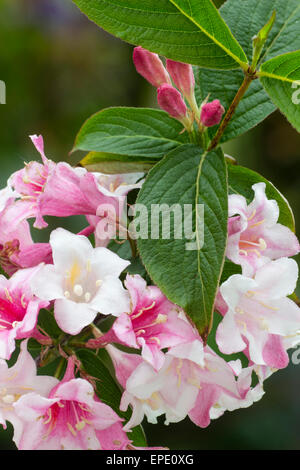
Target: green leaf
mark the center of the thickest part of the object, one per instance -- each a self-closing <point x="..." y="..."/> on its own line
<point x="186" y="271"/>
<point x="129" y="134"/>
<point x="280" y="76"/>
<point x="124" y="251"/>
<point x="245" y="18"/>
<point x="191" y="32"/>
<point x="48" y="323"/>
<point x="240" y="181"/>
<point x="111" y="164"/>
<point x="108" y="390"/>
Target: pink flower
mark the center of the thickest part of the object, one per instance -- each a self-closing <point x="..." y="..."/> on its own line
<point x="254" y="236"/>
<point x="82" y="281"/>
<point x="259" y="314"/>
<point x="211" y="113"/>
<point x="152" y="324"/>
<point x="70" y="418"/>
<point x="29" y="184"/>
<point x="192" y="382"/>
<point x="19" y="310"/>
<point x="150" y="67"/>
<point x="17" y="249"/>
<point x="17" y="381"/>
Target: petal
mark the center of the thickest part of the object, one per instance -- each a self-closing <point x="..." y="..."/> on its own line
<point x="111" y="298"/>
<point x="267" y="209"/>
<point x="106" y="263"/>
<point x="228" y="336"/>
<point x="47" y="283"/>
<point x="274" y="353"/>
<point x="235" y="286"/>
<point x="281" y="241"/>
<point x="72" y="317"/>
<point x="68" y="248"/>
<point x="206" y="398"/>
<point x="278" y="278"/>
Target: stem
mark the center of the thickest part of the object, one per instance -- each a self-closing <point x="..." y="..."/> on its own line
<point x="132" y="244"/>
<point x="249" y="76"/>
<point x="59" y="369"/>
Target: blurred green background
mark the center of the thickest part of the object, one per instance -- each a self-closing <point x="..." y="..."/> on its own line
<point x="59" y="68"/>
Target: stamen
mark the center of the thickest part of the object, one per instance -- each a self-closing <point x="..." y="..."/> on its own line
<point x="23" y="301"/>
<point x="239" y="310"/>
<point x="83" y="408"/>
<point x="250" y="294"/>
<point x="67" y="294"/>
<point x="262" y="244"/>
<point x="194" y="383"/>
<point x="142" y="311"/>
<point x="257" y="223"/>
<point x="178" y="372"/>
<point x="140" y="332"/>
<point x="268" y="306"/>
<point x="252" y="215"/>
<point x="87" y="296"/>
<point x="49" y="412"/>
<point x="159" y="320"/>
<point x="80" y="425"/>
<point x="78" y="290"/>
<point x="8" y="399"/>
<point x="99" y="282"/>
<point x="8" y="296"/>
<point x="71" y="429"/>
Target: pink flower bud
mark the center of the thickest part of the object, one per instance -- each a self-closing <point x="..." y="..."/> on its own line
<point x="211" y="113"/>
<point x="150" y="67"/>
<point x="182" y="75"/>
<point x="171" y="101"/>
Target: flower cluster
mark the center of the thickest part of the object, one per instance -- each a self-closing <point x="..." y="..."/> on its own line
<point x="258" y="315"/>
<point x="161" y="363"/>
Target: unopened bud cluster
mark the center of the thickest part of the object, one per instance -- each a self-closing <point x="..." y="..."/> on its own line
<point x="179" y="100"/>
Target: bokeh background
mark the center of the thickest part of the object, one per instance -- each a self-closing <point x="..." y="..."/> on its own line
<point x="59" y="68"/>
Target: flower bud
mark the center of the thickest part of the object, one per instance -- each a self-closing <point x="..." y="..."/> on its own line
<point x="211" y="113"/>
<point x="171" y="101"/>
<point x="150" y="67"/>
<point x="182" y="76"/>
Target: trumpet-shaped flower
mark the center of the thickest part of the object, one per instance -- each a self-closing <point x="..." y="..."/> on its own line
<point x="17" y="381"/>
<point x="192" y="380"/>
<point x="17" y="249"/>
<point x="258" y="315"/>
<point x="19" y="309"/>
<point x="71" y="417"/>
<point x="254" y="234"/>
<point x="152" y="324"/>
<point x="29" y="185"/>
<point x="82" y="281"/>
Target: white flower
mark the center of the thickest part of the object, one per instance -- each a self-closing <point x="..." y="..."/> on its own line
<point x="83" y="281"/>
